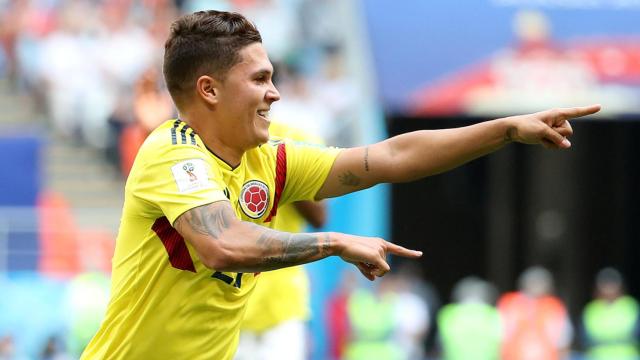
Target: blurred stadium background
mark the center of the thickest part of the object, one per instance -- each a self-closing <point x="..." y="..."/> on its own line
<point x="80" y="87"/>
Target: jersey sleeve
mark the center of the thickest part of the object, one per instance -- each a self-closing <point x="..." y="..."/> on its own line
<point x="307" y="168"/>
<point x="177" y="179"/>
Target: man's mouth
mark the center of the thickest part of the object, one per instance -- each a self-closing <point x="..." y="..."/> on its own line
<point x="264" y="114"/>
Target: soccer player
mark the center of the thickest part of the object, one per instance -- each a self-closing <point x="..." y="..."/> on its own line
<point x="274" y="323"/>
<point x="205" y="188"/>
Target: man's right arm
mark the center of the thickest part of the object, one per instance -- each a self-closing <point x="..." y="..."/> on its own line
<point x="225" y="243"/>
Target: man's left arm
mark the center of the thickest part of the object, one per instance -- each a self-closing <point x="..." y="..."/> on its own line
<point x="419" y="154"/>
<point x="314" y="212"/>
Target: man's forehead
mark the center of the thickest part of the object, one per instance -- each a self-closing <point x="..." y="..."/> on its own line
<point x="254" y="58"/>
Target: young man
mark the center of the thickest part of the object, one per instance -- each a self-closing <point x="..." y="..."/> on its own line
<point x="204" y="188"/>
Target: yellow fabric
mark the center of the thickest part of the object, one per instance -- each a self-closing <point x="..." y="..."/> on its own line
<point x="283" y="294"/>
<point x="157" y="311"/>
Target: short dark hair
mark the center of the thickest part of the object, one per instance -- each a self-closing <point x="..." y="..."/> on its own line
<point x="204" y="43"/>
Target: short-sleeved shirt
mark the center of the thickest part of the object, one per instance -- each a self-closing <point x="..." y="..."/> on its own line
<point x="165" y="304"/>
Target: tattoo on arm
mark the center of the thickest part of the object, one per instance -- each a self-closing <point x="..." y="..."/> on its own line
<point x="349" y="179"/>
<point x="291" y="249"/>
<point x="277" y="249"/>
<point x="366" y="158"/>
<point x="209" y="219"/>
<point x="326" y="245"/>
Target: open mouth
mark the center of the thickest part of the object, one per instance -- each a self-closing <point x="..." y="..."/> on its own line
<point x="264" y="114"/>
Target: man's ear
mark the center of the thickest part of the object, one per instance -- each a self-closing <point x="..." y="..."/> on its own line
<point x="207" y="89"/>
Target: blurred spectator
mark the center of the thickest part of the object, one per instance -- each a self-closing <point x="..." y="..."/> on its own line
<point x="299" y="106"/>
<point x="320" y="97"/>
<point x="7" y="348"/>
<point x="611" y="322"/>
<point x="75" y="85"/>
<point x="337" y="92"/>
<point x="412" y="310"/>
<point x="80" y="59"/>
<point x="10" y="17"/>
<point x="319" y="23"/>
<point x="536" y="323"/>
<point x="278" y="23"/>
<point x="86" y="301"/>
<point x="411" y="273"/>
<point x="31" y="310"/>
<point x="373" y="323"/>
<point x="470" y="326"/>
<point x="337" y="316"/>
<point x="36" y="20"/>
<point x="54" y="350"/>
<point x="152" y="105"/>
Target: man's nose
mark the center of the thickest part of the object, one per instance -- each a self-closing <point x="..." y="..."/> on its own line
<point x="273" y="94"/>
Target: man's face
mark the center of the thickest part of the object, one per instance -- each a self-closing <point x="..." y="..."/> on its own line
<point x="246" y="96"/>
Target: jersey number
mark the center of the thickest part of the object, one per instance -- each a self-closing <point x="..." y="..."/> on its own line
<point x="178" y="252"/>
<point x="237" y="282"/>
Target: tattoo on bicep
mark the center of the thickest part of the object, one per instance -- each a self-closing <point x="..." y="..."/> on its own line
<point x="209" y="219"/>
<point x="366" y="158"/>
<point x="349" y="179"/>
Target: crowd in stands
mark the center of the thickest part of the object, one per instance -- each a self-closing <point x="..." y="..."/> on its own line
<point x="93" y="66"/>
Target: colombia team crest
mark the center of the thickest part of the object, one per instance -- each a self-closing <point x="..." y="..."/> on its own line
<point x="254" y="198"/>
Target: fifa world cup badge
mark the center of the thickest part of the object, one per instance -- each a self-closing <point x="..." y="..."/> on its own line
<point x="191" y="175"/>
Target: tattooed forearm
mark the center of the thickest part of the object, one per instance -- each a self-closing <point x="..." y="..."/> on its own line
<point x="285" y="249"/>
<point x="209" y="219"/>
<point x="227" y="244"/>
<point x="349" y="179"/>
<point x="326" y="245"/>
<point x="366" y="158"/>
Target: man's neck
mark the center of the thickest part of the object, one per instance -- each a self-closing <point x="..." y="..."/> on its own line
<point x="215" y="142"/>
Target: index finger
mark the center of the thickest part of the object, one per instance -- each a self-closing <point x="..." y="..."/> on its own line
<point x="401" y="251"/>
<point x="575" y="112"/>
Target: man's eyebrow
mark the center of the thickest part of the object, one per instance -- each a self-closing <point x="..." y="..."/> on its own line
<point x="262" y="72"/>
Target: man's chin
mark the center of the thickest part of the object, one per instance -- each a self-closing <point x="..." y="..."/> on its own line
<point x="262" y="139"/>
<point x="264" y="136"/>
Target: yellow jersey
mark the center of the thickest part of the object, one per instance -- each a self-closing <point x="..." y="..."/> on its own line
<point x="165" y="304"/>
<point x="282" y="294"/>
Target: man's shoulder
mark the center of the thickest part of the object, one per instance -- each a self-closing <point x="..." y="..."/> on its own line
<point x="173" y="132"/>
<point x="172" y="135"/>
<point x="165" y="147"/>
